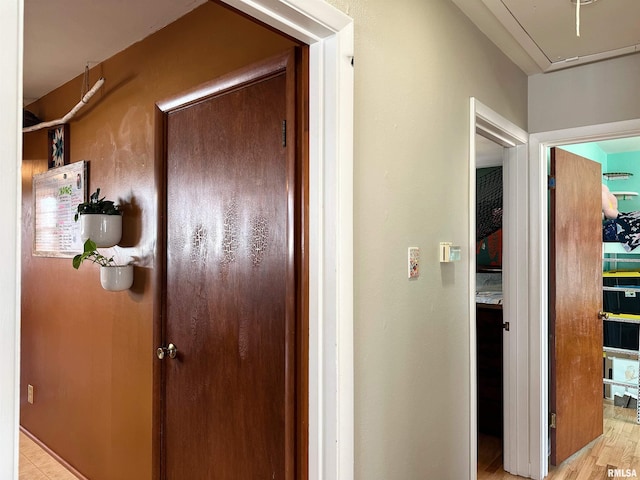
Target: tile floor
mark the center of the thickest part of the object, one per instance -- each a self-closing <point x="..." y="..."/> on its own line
<point x="37" y="464"/>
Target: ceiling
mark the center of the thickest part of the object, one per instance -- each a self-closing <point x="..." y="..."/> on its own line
<point x="620" y="145"/>
<point x="62" y="36"/>
<point x="540" y="35"/>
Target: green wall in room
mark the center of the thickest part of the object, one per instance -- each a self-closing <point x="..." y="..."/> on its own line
<point x="614" y="162"/>
<point x="625" y="162"/>
<point x="588" y="150"/>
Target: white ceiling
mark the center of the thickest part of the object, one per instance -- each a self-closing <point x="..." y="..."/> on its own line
<point x="61" y="36"/>
<point x="488" y="153"/>
<point x="540" y="35"/>
<point x="620" y="145"/>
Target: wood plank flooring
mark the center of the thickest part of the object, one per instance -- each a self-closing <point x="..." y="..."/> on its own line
<point x="617" y="448"/>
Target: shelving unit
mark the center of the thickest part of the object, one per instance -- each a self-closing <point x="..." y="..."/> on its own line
<point x="623" y="351"/>
<point x="624" y="195"/>
<point x="617" y="175"/>
<point x="620" y="195"/>
<point x="614" y="254"/>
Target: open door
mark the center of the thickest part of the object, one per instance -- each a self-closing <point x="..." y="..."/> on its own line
<point x="575" y="299"/>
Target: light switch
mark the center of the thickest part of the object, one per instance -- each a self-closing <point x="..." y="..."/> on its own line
<point x="449" y="252"/>
<point x="414" y="262"/>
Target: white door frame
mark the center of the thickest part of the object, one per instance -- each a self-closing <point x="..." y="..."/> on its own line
<point x="11" y="15"/>
<point x="329" y="33"/>
<point x="538" y="292"/>
<point x="490" y="124"/>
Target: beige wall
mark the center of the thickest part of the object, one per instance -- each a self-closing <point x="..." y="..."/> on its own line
<point x="591" y="94"/>
<point x="416" y="65"/>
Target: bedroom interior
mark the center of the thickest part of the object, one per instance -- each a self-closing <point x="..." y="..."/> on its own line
<point x="621" y="265"/>
<point x="620" y="160"/>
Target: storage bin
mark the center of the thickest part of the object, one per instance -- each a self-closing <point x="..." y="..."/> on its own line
<point x="625" y="300"/>
<point x="620" y="335"/>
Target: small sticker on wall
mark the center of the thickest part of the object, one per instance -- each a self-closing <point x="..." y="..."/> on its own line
<point x="414" y="262"/>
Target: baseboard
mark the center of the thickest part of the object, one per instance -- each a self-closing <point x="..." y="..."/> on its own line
<point x="53" y="454"/>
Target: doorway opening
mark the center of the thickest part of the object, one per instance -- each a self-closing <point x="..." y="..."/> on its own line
<point x="538" y="288"/>
<point x="602" y="273"/>
<point x="511" y="141"/>
<point x="489" y="303"/>
<point x="620" y="168"/>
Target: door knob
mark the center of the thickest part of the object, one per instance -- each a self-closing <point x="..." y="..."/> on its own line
<point x="603" y="315"/>
<point x="171" y="351"/>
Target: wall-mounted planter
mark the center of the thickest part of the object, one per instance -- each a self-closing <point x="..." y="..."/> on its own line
<point x="105" y="230"/>
<point x="116" y="278"/>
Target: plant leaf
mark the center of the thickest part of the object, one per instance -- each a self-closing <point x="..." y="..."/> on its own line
<point x="89" y="246"/>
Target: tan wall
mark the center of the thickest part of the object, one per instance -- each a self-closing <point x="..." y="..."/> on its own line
<point x="417" y="62"/>
<point x="89" y="353"/>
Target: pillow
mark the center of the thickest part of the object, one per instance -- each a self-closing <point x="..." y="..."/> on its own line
<point x="609" y="203"/>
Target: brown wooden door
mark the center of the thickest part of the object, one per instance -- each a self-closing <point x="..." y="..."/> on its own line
<point x="229" y="395"/>
<point x="575" y="298"/>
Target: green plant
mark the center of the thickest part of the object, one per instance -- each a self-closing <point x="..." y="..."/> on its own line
<point x="97" y="205"/>
<point x="91" y="253"/>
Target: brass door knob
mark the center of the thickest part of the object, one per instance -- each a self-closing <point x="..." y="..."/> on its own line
<point x="603" y="315"/>
<point x="170" y="351"/>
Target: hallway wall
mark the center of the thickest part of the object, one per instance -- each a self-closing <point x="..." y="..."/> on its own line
<point x="416" y="65"/>
<point x="591" y="94"/>
<point x="89" y="352"/>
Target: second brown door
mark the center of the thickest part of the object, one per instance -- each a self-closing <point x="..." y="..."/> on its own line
<point x="575" y="299"/>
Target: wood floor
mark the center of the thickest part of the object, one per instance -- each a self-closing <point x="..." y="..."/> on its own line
<point x="617" y="448"/>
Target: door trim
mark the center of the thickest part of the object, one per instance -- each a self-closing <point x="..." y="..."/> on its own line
<point x="514" y="279"/>
<point x="329" y="33"/>
<point x="539" y="285"/>
<point x="11" y="193"/>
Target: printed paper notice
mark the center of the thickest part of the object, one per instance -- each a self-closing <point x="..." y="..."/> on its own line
<point x="56" y="195"/>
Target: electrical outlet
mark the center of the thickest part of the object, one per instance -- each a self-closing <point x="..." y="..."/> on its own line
<point x="414" y="262"/>
<point x="30" y="394"/>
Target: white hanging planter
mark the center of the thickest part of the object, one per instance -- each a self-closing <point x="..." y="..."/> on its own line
<point x="105" y="230"/>
<point x="116" y="278"/>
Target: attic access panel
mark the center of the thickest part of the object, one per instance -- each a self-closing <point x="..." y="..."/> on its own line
<point x="605" y="26"/>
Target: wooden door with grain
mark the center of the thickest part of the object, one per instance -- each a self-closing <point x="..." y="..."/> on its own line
<point x="575" y="299"/>
<point x="229" y="395"/>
